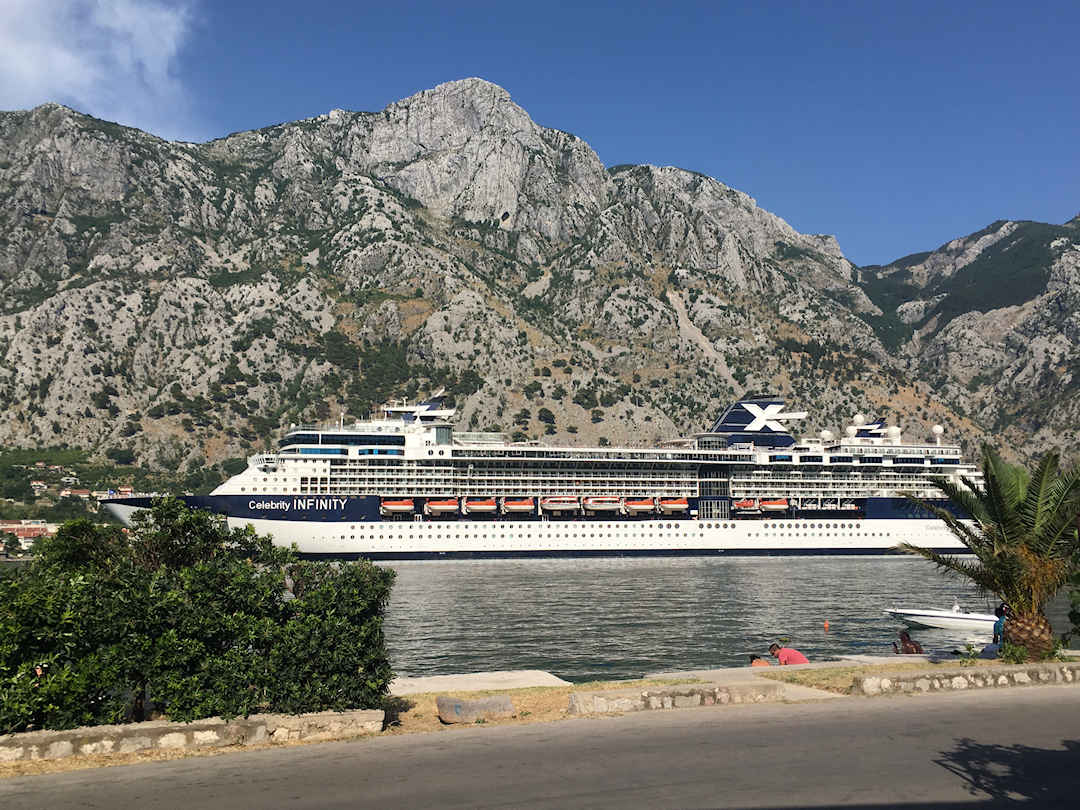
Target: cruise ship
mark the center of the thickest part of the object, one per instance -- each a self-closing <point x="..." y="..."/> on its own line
<point x="407" y="485"/>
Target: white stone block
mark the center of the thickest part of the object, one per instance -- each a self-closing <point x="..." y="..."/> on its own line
<point x="204" y="737"/>
<point x="173" y="739"/>
<point x="959" y="682"/>
<point x="126" y="746"/>
<point x="58" y="749"/>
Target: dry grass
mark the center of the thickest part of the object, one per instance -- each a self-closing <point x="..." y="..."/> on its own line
<point x="411" y="714"/>
<point x="840" y="679"/>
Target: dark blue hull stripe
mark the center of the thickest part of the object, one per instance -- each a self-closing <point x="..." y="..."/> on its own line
<point x="365" y="508"/>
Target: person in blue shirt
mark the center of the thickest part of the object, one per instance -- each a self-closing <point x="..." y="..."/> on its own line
<point x="1001" y="611"/>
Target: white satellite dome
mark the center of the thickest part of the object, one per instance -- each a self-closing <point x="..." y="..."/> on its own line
<point x="851" y="430"/>
<point x="826" y="435"/>
<point x="937" y="430"/>
<point x="893" y="432"/>
<point x="859" y="420"/>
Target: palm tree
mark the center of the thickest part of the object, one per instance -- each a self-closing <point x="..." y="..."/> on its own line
<point x="1021" y="526"/>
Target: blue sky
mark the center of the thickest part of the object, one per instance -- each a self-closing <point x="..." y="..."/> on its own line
<point x="894" y="126"/>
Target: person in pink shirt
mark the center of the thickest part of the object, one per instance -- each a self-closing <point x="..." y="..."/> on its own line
<point x="787" y="655"/>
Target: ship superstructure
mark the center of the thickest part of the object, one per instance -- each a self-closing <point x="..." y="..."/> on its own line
<point x="406" y="484"/>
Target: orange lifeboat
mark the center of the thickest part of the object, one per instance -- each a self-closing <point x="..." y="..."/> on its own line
<point x="559" y="503"/>
<point x="670" y="506"/>
<point x="441" y="506"/>
<point x="746" y="505"/>
<point x="774" y="504"/>
<point x="479" y="506"/>
<point x="390" y="506"/>
<point x="640" y="506"/>
<point x="518" y="506"/>
<point x="602" y="503"/>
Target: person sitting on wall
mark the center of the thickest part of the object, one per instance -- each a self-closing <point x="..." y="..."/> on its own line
<point x="787" y="656"/>
<point x="908" y="645"/>
<point x="758" y="661"/>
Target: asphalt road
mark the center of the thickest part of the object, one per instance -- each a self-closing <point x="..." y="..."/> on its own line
<point x="964" y="749"/>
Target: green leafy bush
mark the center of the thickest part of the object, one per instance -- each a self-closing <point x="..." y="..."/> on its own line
<point x="188" y="618"/>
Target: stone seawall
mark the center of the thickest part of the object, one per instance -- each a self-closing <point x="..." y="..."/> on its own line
<point x="210" y="733"/>
<point x="682" y="697"/>
<point x="956" y="678"/>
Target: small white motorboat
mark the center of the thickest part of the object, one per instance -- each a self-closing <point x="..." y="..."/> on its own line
<point x="955" y="619"/>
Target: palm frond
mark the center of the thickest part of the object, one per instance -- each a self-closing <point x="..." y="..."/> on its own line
<point x="1038" y="505"/>
<point x="983" y="576"/>
<point x="1013" y="479"/>
<point x="1058" y="533"/>
<point x="970" y="537"/>
<point x="1001" y="499"/>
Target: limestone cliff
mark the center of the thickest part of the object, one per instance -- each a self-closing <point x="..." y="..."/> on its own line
<point x="188" y="300"/>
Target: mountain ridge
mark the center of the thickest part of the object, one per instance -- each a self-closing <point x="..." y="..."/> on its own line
<point x="193" y="298"/>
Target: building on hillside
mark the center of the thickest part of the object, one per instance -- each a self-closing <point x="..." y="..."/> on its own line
<point x="28" y="530"/>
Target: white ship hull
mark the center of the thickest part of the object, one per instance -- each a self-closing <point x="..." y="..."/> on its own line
<point x="392" y="539"/>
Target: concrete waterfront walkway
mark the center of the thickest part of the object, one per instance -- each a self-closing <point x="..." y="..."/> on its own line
<point x="724" y="676"/>
<point x="475" y="682"/>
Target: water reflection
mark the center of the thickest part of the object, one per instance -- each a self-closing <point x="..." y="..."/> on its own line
<point x="621" y="618"/>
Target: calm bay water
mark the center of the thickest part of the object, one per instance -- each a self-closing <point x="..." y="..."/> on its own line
<point x="588" y="619"/>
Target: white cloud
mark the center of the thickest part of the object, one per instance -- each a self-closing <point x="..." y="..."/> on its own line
<point x="113" y="59"/>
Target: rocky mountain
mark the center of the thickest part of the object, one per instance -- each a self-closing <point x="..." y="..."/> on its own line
<point x="182" y="302"/>
<point x="992" y="322"/>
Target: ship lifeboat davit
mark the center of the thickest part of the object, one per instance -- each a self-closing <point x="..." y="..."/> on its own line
<point x="671" y="506"/>
<point x="774" y="504"/>
<point x="479" y="506"/>
<point x="518" y="506"/>
<point x="559" y="503"/>
<point x="640" y="506"/>
<point x="602" y="503"/>
<point x="401" y="506"/>
<point x="441" y="506"/>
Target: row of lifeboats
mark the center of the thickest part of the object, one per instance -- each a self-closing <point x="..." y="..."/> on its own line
<point x="758" y="505"/>
<point x="552" y="504"/>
